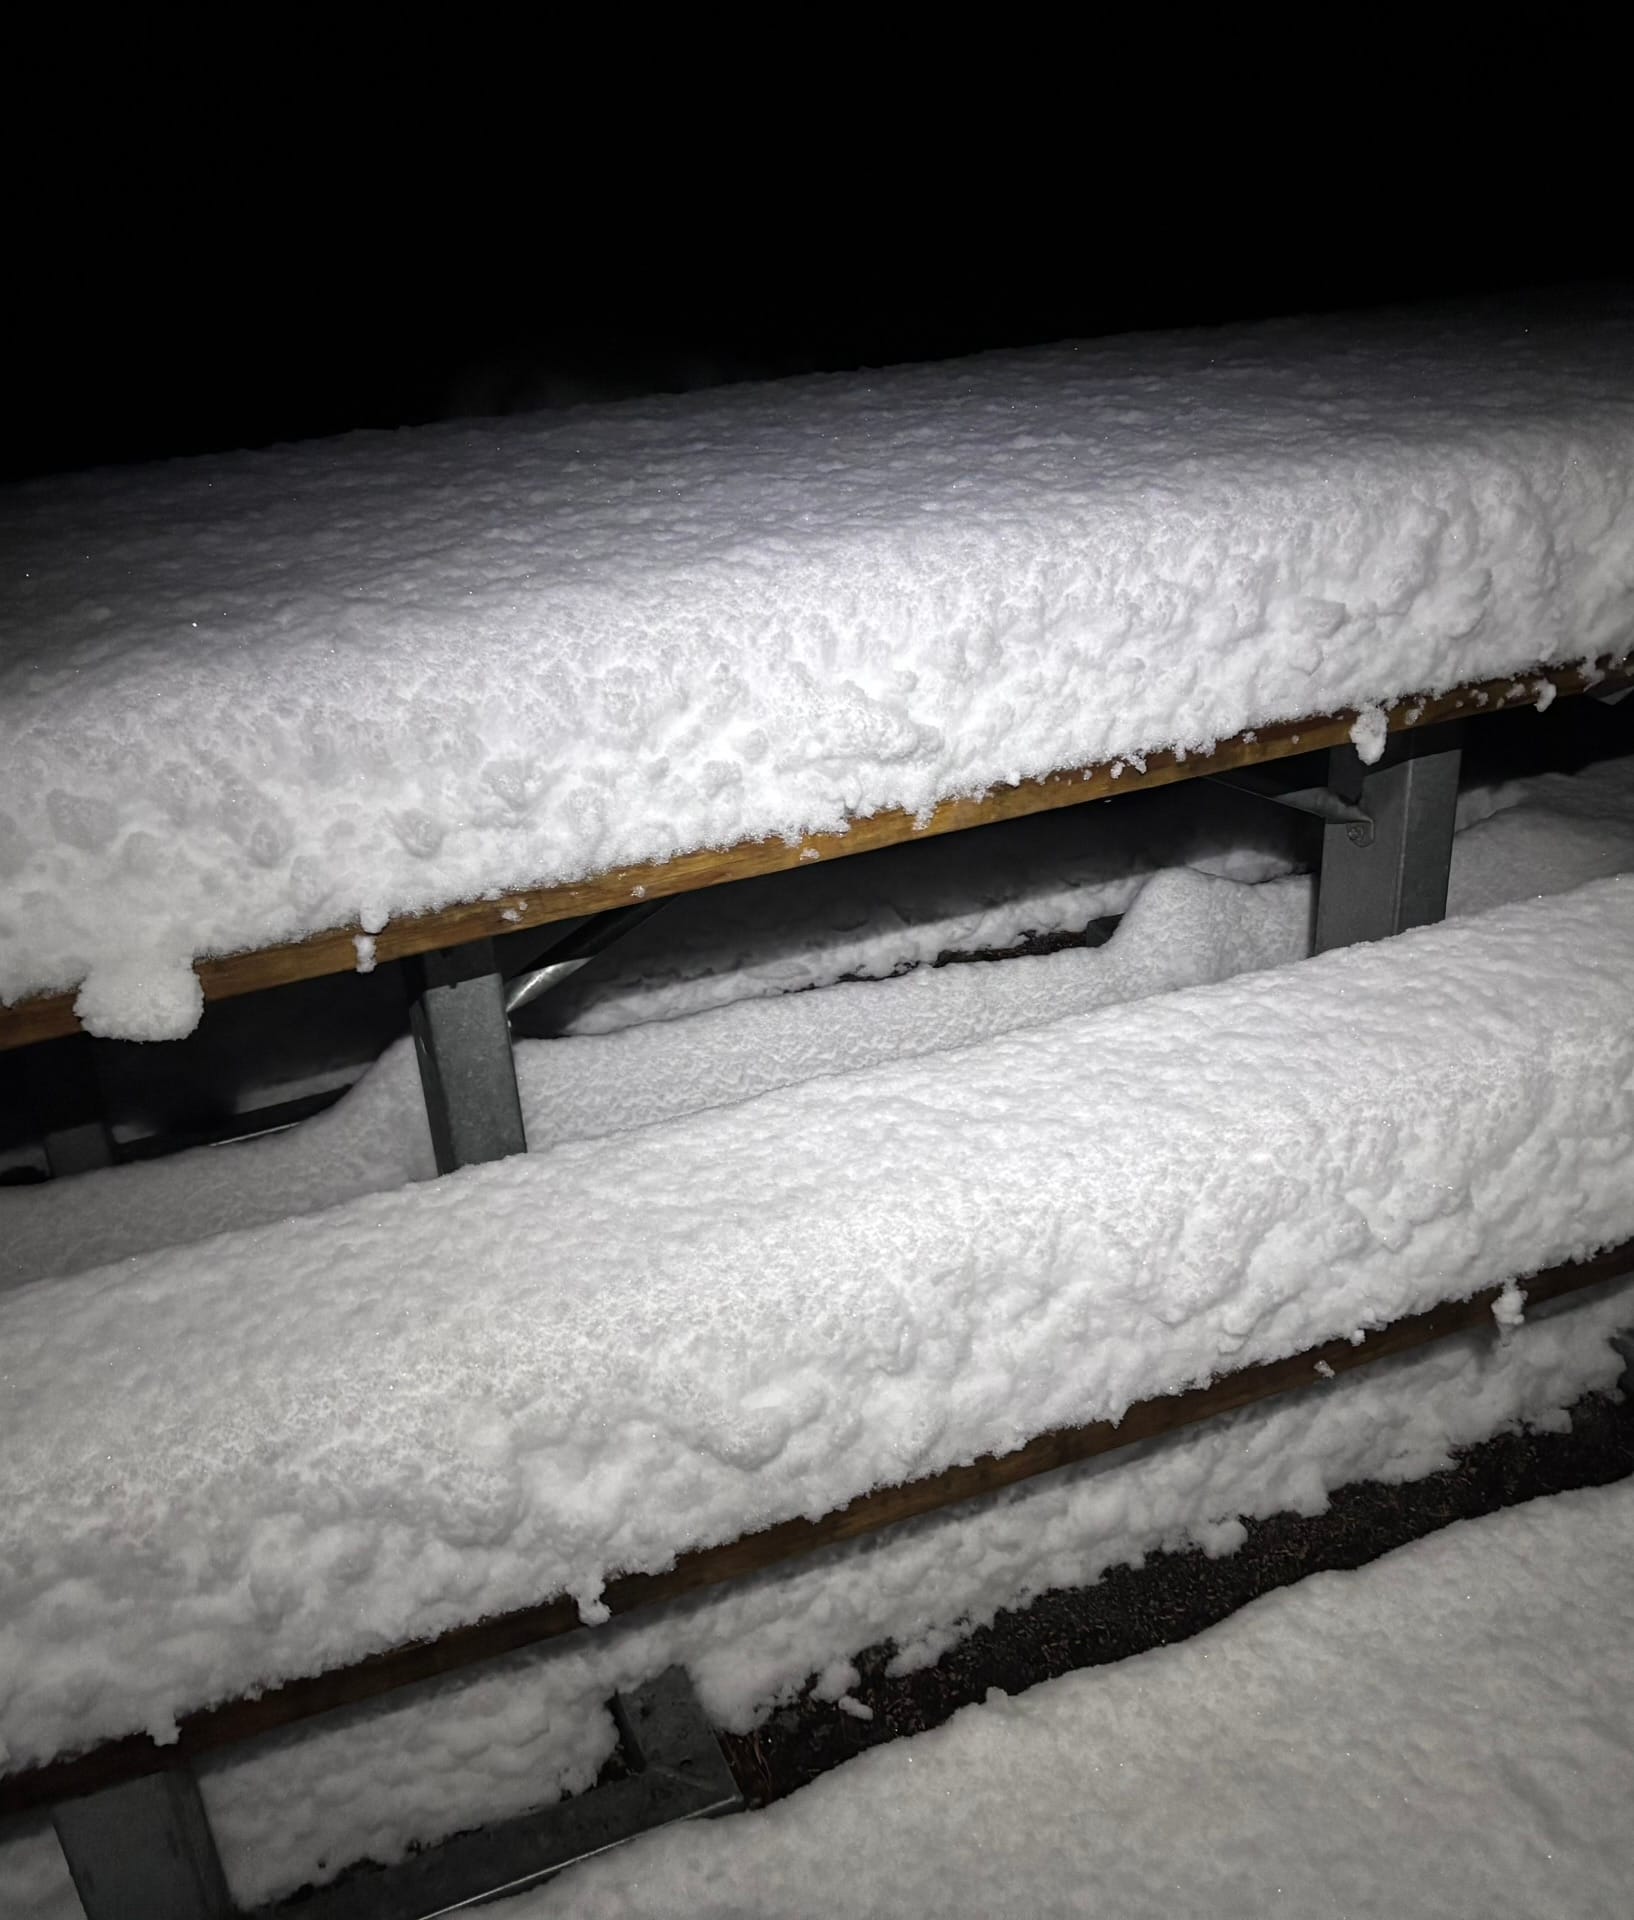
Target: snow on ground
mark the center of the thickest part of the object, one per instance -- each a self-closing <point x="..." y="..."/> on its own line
<point x="343" y="1431"/>
<point x="245" y="697"/>
<point x="497" y="1742"/>
<point x="1447" y="1732"/>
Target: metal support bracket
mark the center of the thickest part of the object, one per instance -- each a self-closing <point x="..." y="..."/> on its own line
<point x="677" y="1772"/>
<point x="143" y="1851"/>
<point x="576" y="949"/>
<point x="1321" y="803"/>
<point x="463" y="1040"/>
<point x="1393" y="875"/>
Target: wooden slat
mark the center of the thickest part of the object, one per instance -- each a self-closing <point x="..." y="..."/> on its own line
<point x="49" y="1016"/>
<point x="383" y="1673"/>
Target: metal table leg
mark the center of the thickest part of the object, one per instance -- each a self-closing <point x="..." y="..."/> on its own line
<point x="1380" y="880"/>
<point x="463" y="1040"/>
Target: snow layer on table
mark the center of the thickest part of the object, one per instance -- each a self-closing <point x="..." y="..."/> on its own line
<point x="1181" y="930"/>
<point x="484" y="1746"/>
<point x="344" y="1431"/>
<point x="1447" y="1732"/>
<point x="245" y="697"/>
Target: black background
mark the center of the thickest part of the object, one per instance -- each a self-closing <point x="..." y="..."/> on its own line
<point x="214" y="299"/>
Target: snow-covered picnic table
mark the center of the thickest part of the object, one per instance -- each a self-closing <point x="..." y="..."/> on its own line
<point x="247" y="698"/>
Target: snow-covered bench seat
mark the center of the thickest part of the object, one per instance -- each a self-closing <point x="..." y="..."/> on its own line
<point x="274" y="705"/>
<point x="282" y="1451"/>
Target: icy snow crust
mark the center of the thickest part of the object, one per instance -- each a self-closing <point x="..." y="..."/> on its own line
<point x="1442" y="1734"/>
<point x="340" y="1432"/>
<point x="244" y="698"/>
<point x="1182" y="927"/>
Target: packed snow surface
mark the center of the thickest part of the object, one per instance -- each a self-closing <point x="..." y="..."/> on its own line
<point x="1181" y="927"/>
<point x="1447" y="1732"/>
<point x="246" y="697"/>
<point x="494" y="1742"/>
<point x="339" y="1432"/>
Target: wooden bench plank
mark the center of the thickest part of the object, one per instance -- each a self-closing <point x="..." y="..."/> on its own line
<point x="226" y="1725"/>
<point x="49" y="1016"/>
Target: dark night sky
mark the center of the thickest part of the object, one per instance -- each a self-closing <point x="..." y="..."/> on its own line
<point x="166" y="323"/>
<point x="207" y="245"/>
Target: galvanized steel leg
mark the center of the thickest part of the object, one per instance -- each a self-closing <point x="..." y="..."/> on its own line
<point x="463" y="1040"/>
<point x="143" y="1851"/>
<point x="1382" y="880"/>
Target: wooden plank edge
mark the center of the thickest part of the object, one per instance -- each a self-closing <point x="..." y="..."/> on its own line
<point x="224" y="977"/>
<point x="214" y="1728"/>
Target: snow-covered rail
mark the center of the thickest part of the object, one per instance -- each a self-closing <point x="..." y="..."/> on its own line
<point x="224" y="977"/>
<point x="264" y="1711"/>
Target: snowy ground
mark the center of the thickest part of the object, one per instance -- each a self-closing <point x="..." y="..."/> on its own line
<point x="247" y="697"/>
<point x="1448" y="1732"/>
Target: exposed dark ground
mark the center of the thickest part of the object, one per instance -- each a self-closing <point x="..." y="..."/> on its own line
<point x="1176" y="1595"/>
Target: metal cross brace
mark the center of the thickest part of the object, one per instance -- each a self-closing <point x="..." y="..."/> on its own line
<point x="1322" y="803"/>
